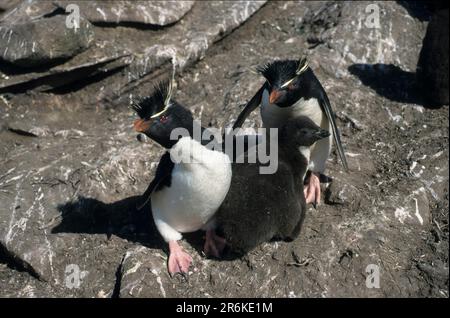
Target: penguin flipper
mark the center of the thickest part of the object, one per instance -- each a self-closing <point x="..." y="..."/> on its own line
<point x="162" y="177"/>
<point x="250" y="106"/>
<point x="325" y="104"/>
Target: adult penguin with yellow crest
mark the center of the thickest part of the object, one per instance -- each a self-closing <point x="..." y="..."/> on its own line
<point x="191" y="180"/>
<point x="292" y="90"/>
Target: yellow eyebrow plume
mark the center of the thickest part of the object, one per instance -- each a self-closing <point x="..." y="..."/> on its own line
<point x="287" y="83"/>
<point x="302" y="66"/>
<point x="161" y="112"/>
<point x="166" y="101"/>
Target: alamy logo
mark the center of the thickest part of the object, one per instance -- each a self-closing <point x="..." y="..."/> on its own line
<point x="73" y="18"/>
<point x="373" y="277"/>
<point x="74" y="276"/>
<point x="261" y="147"/>
<point x="373" y="18"/>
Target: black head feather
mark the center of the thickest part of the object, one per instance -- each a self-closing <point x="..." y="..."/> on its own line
<point x="281" y="71"/>
<point x="301" y="131"/>
<point x="147" y="106"/>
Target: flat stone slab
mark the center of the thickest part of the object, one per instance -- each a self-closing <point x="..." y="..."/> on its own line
<point x="42" y="41"/>
<point x="148" y="51"/>
<point x="363" y="33"/>
<point x="158" y="13"/>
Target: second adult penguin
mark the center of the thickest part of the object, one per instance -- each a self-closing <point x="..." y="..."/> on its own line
<point x="291" y="90"/>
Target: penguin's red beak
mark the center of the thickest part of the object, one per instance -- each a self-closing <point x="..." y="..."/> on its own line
<point x="274" y="96"/>
<point x="141" y="125"/>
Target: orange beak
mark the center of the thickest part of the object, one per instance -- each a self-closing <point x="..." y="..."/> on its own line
<point x="273" y="97"/>
<point x="140" y="125"/>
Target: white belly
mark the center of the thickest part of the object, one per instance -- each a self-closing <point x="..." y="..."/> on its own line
<point x="275" y="117"/>
<point x="197" y="189"/>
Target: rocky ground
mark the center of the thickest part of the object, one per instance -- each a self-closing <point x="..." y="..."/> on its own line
<point x="72" y="167"/>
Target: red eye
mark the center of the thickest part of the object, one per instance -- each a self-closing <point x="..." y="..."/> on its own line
<point x="163" y="119"/>
<point x="291" y="86"/>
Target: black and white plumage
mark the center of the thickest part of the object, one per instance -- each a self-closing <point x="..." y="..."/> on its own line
<point x="262" y="207"/>
<point x="291" y="90"/>
<point x="191" y="180"/>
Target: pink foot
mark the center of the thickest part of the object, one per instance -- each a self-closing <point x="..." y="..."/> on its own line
<point x="312" y="190"/>
<point x="214" y="244"/>
<point x="179" y="260"/>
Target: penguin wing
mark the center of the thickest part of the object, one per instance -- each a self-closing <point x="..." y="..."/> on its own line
<point x="250" y="106"/>
<point x="326" y="107"/>
<point x="163" y="177"/>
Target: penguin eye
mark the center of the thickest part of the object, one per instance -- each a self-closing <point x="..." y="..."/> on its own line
<point x="163" y="119"/>
<point x="288" y="84"/>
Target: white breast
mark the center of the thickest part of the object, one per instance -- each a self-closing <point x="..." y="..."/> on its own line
<point x="274" y="116"/>
<point x="197" y="189"/>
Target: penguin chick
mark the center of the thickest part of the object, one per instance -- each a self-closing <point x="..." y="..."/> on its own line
<point x="191" y="181"/>
<point x="262" y="207"/>
<point x="291" y="90"/>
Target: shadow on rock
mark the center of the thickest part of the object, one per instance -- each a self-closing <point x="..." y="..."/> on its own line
<point x="389" y="81"/>
<point x="11" y="69"/>
<point x="418" y="9"/>
<point x="120" y="218"/>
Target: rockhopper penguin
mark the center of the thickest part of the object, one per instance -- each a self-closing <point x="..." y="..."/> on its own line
<point x="291" y="90"/>
<point x="190" y="182"/>
<point x="262" y="207"/>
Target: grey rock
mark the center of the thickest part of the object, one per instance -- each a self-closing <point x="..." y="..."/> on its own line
<point x="20" y="284"/>
<point x="68" y="73"/>
<point x="48" y="209"/>
<point x="437" y="272"/>
<point x="158" y="13"/>
<point x="26" y="11"/>
<point x="175" y="50"/>
<point x="143" y="273"/>
<point x="6" y="5"/>
<point x="102" y="58"/>
<point x="147" y="55"/>
<point x="354" y="37"/>
<point x="339" y="192"/>
<point x="42" y="41"/>
<point x="412" y="209"/>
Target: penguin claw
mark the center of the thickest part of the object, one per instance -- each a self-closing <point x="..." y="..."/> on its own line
<point x="184" y="276"/>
